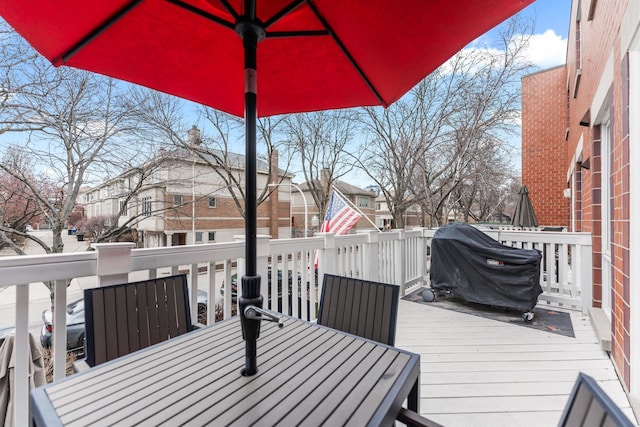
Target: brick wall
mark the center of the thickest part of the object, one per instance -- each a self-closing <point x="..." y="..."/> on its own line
<point x="224" y="216"/>
<point x="599" y="44"/>
<point x="544" y="120"/>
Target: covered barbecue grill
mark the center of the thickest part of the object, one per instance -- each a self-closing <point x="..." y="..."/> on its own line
<point x="476" y="268"/>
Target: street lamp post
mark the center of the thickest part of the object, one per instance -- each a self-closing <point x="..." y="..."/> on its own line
<point x="304" y="200"/>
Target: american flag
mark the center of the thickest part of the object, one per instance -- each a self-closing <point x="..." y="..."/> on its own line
<point x="340" y="217"/>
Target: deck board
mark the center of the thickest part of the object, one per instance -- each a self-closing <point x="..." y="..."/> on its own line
<point x="478" y="371"/>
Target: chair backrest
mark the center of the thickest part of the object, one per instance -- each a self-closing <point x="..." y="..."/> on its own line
<point x="589" y="406"/>
<point x="360" y="307"/>
<point x="121" y="319"/>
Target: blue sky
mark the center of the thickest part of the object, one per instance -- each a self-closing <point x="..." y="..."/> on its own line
<point x="551" y="14"/>
<point x="549" y="44"/>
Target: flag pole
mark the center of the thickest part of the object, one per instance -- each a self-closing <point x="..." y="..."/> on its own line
<point x="346" y="199"/>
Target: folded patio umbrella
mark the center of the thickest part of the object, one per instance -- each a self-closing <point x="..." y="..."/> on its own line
<point x="524" y="215"/>
<point x="312" y="55"/>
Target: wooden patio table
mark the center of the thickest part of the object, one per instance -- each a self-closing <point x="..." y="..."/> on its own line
<point x="307" y="374"/>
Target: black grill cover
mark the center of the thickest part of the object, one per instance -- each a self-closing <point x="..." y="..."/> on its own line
<point x="476" y="268"/>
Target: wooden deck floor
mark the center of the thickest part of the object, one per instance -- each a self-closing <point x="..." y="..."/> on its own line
<point x="482" y="372"/>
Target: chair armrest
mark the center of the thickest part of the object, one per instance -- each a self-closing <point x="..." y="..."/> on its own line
<point x="80" y="365"/>
<point x="413" y="419"/>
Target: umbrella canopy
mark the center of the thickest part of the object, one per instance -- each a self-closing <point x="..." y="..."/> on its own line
<point x="315" y="55"/>
<point x="312" y="55"/>
<point x="524" y="215"/>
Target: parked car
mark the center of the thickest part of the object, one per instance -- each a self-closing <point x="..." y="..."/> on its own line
<point x="234" y="292"/>
<point x="234" y="284"/>
<point x="75" y="324"/>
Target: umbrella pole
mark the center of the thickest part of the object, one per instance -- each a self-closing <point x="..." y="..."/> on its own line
<point x="251" y="281"/>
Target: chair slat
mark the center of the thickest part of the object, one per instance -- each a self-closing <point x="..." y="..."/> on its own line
<point x="110" y="324"/>
<point x="143" y="318"/>
<point x="133" y="322"/>
<point x="122" y="321"/>
<point x="152" y="313"/>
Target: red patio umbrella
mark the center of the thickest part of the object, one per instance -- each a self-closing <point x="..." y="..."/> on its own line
<point x="313" y="55"/>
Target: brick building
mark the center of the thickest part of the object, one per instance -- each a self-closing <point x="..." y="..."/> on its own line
<point x="598" y="92"/>
<point x="545" y="115"/>
<point x="178" y="199"/>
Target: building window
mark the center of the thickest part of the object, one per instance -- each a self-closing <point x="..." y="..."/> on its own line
<point x="363" y="202"/>
<point x="124" y="208"/>
<point x="212" y="202"/>
<point x="198" y="236"/>
<point x="177" y="200"/>
<point x="212" y="236"/>
<point x="146" y="206"/>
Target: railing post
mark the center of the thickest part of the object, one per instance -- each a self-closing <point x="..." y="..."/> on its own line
<point x="327" y="255"/>
<point x="114" y="262"/>
<point x="399" y="254"/>
<point x="421" y="254"/>
<point x="241" y="266"/>
<point x="585" y="280"/>
<point x="370" y="255"/>
<point x="262" y="250"/>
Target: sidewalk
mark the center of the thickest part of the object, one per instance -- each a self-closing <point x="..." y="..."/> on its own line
<point x="39" y="298"/>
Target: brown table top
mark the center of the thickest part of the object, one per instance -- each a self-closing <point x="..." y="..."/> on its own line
<point x="307" y="374"/>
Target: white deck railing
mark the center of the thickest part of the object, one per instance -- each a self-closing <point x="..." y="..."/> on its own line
<point x="400" y="257"/>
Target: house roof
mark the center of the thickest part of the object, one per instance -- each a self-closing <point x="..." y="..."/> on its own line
<point x="343" y="187"/>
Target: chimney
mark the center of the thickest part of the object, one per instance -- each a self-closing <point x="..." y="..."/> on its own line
<point x="324" y="178"/>
<point x="194" y="136"/>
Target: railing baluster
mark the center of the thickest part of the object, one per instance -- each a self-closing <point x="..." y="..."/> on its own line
<point x="60" y="330"/>
<point x="22" y="356"/>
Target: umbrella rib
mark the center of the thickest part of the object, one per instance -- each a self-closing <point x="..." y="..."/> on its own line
<point x="230" y="9"/>
<point x="283" y="12"/>
<point x="203" y="14"/>
<point x="346" y="52"/>
<point x="284" y="34"/>
<point x="97" y="31"/>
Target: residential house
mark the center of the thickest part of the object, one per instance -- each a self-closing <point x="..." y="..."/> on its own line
<point x="359" y="199"/>
<point x="579" y="142"/>
<point x="384" y="219"/>
<point x="177" y="198"/>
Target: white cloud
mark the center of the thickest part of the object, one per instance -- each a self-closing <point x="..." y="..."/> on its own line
<point x="547" y="50"/>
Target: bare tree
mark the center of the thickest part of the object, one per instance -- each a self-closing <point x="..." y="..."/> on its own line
<point x="18" y="207"/>
<point x="319" y="140"/>
<point x="425" y="147"/>
<point x="70" y="124"/>
<point x="215" y="144"/>
<point x="400" y="136"/>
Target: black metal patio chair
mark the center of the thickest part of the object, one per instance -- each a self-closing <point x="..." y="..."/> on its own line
<point x="123" y="318"/>
<point x="589" y="406"/>
<point x="367" y="309"/>
<point x="360" y="307"/>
